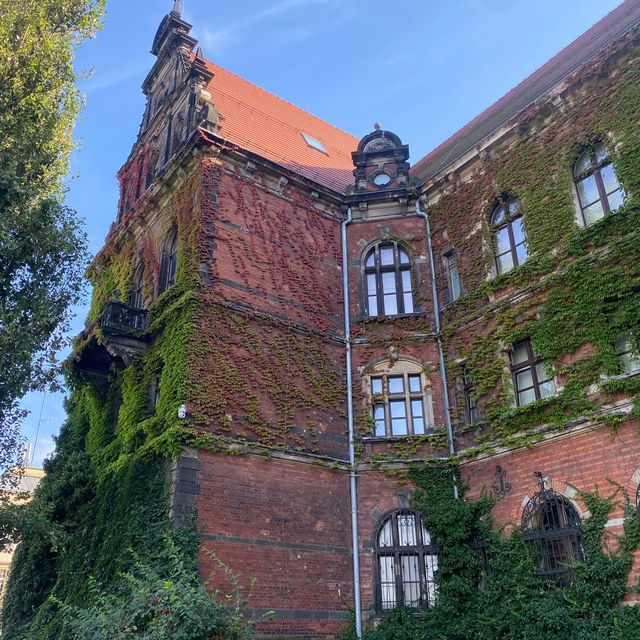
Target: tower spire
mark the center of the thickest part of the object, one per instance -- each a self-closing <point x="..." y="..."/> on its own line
<point x="176" y="7"/>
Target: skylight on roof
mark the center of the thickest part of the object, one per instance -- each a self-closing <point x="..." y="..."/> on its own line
<point x="314" y="143"/>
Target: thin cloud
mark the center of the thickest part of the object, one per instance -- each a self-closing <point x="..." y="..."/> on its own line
<point x="111" y="78"/>
<point x="217" y="42"/>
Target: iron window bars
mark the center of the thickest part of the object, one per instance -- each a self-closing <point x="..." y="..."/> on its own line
<point x="552" y="530"/>
<point x="405" y="563"/>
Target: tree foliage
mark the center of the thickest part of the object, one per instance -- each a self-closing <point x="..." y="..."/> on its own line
<point x="42" y="245"/>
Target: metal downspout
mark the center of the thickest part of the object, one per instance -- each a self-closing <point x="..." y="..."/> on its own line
<point x="436" y="313"/>
<point x="352" y="454"/>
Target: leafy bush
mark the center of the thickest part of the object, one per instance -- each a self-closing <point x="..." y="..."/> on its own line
<point x="160" y="600"/>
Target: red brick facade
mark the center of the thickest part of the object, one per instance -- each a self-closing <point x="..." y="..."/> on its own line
<point x="267" y="374"/>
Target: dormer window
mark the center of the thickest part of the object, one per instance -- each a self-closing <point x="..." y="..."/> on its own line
<point x="314" y="143"/>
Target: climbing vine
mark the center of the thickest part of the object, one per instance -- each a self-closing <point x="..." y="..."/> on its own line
<point x="506" y="600"/>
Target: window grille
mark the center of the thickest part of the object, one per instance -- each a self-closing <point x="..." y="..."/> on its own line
<point x="406" y="563"/>
<point x="552" y="530"/>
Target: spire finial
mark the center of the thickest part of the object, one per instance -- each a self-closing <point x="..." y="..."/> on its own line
<point x="199" y="54"/>
<point x="377" y="126"/>
<point x="176" y="7"/>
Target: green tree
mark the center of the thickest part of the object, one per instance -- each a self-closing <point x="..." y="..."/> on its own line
<point x="43" y="248"/>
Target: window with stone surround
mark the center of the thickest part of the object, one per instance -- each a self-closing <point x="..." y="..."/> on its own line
<point x="552" y="530"/>
<point x="169" y="261"/>
<point x="509" y="240"/>
<point x="387" y="280"/>
<point x="452" y="273"/>
<point x="405" y="563"/>
<point x="135" y="297"/>
<point x="532" y="379"/>
<point x="400" y="400"/>
<point x="597" y="186"/>
<point x="471" y="413"/>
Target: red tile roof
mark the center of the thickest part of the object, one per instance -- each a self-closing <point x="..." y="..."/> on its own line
<point x="262" y="123"/>
<point x="614" y="25"/>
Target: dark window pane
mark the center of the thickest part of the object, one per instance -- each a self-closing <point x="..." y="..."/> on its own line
<point x="520" y="352"/>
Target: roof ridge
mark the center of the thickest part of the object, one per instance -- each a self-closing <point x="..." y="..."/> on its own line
<point x="290" y="104"/>
<point x="536" y="73"/>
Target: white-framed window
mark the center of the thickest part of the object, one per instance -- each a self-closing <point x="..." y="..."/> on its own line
<point x="400" y="400"/>
<point x="387" y="280"/>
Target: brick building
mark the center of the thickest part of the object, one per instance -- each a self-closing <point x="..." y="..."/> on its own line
<point x="307" y="311"/>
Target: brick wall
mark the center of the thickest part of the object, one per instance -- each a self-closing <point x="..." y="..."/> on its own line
<point x="286" y="525"/>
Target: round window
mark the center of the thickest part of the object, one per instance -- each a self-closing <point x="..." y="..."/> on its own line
<point x="381" y="179"/>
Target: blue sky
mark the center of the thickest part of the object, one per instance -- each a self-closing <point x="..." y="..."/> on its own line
<point x="421" y="68"/>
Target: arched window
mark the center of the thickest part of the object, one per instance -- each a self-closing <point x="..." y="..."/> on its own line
<point x="169" y="262"/>
<point x="552" y="530"/>
<point x="400" y="400"/>
<point x="406" y="563"/>
<point x="599" y="191"/>
<point x="508" y="235"/>
<point x="135" y="297"/>
<point x="388" y="280"/>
